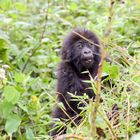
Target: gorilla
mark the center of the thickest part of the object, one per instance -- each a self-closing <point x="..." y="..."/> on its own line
<point x="80" y="52"/>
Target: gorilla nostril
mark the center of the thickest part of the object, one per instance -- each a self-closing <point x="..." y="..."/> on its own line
<point x="87" y="52"/>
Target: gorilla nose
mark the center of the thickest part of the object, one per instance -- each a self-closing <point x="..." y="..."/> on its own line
<point x="87" y="52"/>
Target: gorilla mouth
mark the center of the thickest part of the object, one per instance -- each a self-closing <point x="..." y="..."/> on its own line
<point x="88" y="61"/>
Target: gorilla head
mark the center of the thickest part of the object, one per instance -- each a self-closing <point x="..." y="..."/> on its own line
<point x="81" y="49"/>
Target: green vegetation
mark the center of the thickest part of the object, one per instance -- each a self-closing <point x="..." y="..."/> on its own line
<point x="31" y="33"/>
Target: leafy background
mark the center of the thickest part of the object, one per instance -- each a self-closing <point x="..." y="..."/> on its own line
<point x="31" y="33"/>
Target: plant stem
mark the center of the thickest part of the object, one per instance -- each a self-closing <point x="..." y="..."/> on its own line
<point x="99" y="74"/>
<point x="128" y="115"/>
<point x="65" y="136"/>
<point x="39" y="44"/>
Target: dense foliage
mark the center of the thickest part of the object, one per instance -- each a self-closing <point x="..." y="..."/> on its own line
<point x="31" y="33"/>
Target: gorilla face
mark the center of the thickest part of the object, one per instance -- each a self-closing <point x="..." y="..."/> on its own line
<point x="79" y="52"/>
<point x="83" y="54"/>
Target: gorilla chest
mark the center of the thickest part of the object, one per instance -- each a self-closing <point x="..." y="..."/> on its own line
<point x="82" y="85"/>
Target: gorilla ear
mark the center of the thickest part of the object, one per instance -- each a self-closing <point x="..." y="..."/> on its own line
<point x="65" y="54"/>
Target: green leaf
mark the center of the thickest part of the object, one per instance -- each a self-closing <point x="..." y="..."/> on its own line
<point x="12" y="124"/>
<point x="73" y="6"/>
<point x="114" y="71"/>
<point x="4" y="41"/>
<point x="20" y="77"/>
<point x="29" y="134"/>
<point x="136" y="78"/>
<point x="23" y="107"/>
<point x="6" y="108"/>
<point x="6" y="4"/>
<point x="111" y="70"/>
<point x="20" y="6"/>
<point x="106" y="67"/>
<point x="11" y="94"/>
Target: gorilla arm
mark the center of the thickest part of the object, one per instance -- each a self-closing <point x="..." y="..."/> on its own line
<point x="68" y="81"/>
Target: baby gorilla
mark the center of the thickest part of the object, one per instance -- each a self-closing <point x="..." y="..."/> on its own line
<point x="80" y="52"/>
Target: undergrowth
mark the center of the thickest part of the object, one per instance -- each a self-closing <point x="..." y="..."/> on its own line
<point x="31" y="33"/>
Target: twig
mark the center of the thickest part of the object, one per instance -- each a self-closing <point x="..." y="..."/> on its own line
<point x="98" y="89"/>
<point x="110" y="18"/>
<point x="128" y="116"/>
<point x="87" y="39"/>
<point x="109" y="125"/>
<point x="99" y="74"/>
<point x="62" y="137"/>
<point x="71" y="119"/>
<point x="39" y="44"/>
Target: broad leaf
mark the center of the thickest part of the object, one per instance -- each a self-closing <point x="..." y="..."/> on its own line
<point x="29" y="134"/>
<point x="11" y="94"/>
<point x="6" y="108"/>
<point x="12" y="124"/>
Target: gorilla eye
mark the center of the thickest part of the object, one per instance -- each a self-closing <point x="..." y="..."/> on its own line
<point x="91" y="45"/>
<point x="80" y="46"/>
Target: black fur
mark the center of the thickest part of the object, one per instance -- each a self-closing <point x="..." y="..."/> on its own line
<point x="77" y="54"/>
